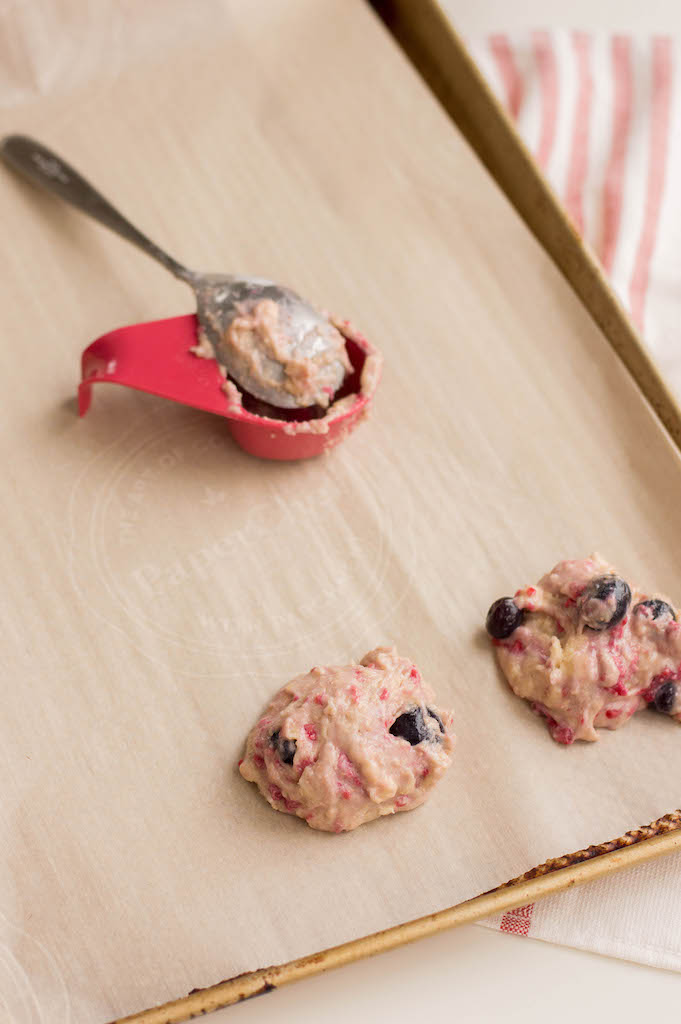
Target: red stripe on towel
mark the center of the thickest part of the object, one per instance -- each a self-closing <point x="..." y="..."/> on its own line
<point x="508" y="72"/>
<point x="657" y="164"/>
<point x="613" y="184"/>
<point x="579" y="157"/>
<point x="548" y="79"/>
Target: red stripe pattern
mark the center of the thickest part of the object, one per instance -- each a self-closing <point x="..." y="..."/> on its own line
<point x="657" y="165"/>
<point x="548" y="79"/>
<point x="623" y="83"/>
<point x="596" y="111"/>
<point x="518" y="921"/>
<point x="579" y="159"/>
<point x="514" y="88"/>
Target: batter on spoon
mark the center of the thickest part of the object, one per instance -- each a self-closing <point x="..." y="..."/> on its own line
<point x="587" y="649"/>
<point x="345" y="744"/>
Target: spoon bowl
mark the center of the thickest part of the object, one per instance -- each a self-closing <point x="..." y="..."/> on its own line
<point x="223" y="300"/>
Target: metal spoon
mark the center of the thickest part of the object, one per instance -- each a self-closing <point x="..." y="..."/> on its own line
<point x="309" y="342"/>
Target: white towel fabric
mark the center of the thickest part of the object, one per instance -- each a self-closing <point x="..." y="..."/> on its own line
<point x="602" y="116"/>
<point x="634" y="916"/>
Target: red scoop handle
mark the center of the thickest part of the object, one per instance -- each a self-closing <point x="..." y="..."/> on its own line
<point x="157" y="357"/>
<point x="154" y="357"/>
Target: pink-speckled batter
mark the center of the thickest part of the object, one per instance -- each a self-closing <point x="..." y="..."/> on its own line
<point x="259" y="340"/>
<point x="264" y="353"/>
<point x="587" y="649"/>
<point x="324" y="749"/>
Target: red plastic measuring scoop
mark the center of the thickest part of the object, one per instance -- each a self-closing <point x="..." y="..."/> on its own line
<point x="157" y="357"/>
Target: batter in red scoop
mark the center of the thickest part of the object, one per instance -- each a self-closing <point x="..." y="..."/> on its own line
<point x="587" y="649"/>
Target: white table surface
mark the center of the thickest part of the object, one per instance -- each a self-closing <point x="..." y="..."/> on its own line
<point x="474" y="974"/>
<point x="483" y="16"/>
<point x="471" y="974"/>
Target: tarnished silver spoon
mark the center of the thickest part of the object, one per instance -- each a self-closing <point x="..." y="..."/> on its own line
<point x="271" y="342"/>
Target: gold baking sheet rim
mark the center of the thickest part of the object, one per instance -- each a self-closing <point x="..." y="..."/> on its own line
<point x="430" y="42"/>
<point x="636" y="847"/>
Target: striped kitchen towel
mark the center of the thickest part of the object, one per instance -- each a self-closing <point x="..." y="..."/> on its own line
<point x="602" y="116"/>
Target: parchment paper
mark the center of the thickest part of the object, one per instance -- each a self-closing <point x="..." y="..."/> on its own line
<point x="159" y="584"/>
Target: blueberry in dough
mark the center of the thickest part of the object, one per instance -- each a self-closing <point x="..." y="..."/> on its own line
<point x="658" y="609"/>
<point x="411" y="726"/>
<point x="503" y="618"/>
<point x="604" y="602"/>
<point x="664" y="698"/>
<point x="285" y="748"/>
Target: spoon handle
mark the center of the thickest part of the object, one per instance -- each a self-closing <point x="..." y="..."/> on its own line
<point x="43" y="167"/>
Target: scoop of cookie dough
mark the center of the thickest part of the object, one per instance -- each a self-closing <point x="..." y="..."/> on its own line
<point x="274" y="356"/>
<point x="587" y="649"/>
<point x="343" y="745"/>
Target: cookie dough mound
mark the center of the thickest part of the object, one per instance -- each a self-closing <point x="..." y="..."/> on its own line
<point x="587" y="649"/>
<point x="343" y="745"/>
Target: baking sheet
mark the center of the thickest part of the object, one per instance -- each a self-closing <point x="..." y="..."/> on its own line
<point x="160" y="584"/>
